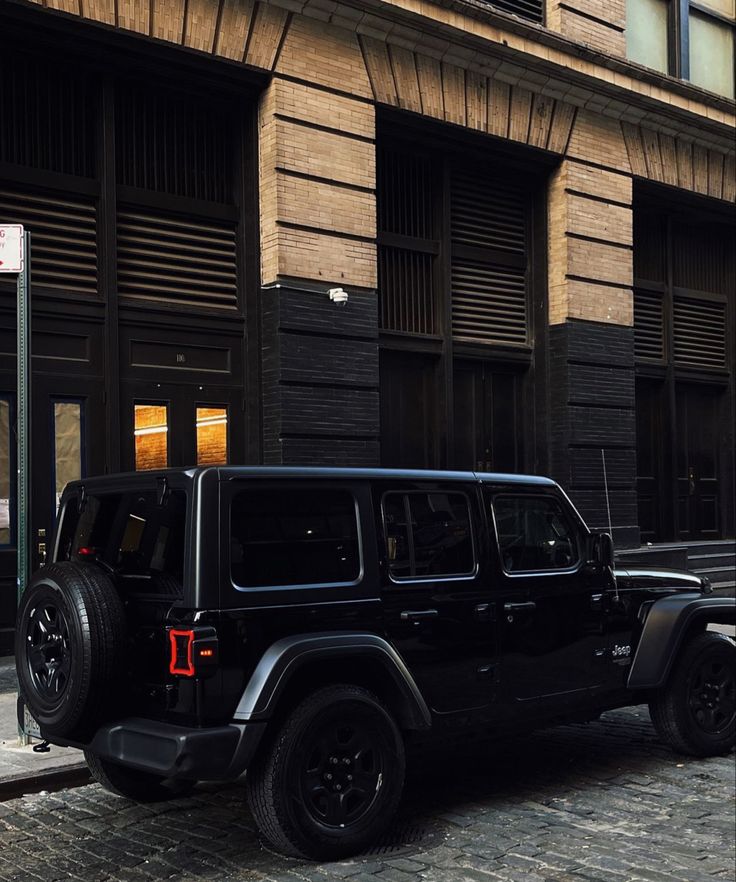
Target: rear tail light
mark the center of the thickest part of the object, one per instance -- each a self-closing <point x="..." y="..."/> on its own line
<point x="193" y="652"/>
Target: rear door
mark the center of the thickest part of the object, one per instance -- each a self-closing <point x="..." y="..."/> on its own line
<point x="435" y="592"/>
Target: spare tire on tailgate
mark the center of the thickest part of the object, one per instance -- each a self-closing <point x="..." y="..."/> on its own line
<point x="69" y="644"/>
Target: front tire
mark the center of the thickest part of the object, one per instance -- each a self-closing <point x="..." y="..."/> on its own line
<point x="330" y="781"/>
<point x="695" y="712"/>
<point x="134" y="784"/>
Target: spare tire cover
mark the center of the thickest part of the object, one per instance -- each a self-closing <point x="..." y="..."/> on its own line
<point x="69" y="642"/>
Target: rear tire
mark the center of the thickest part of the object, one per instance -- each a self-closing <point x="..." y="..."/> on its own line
<point x="69" y="648"/>
<point x="134" y="784"/>
<point x="330" y="781"/>
<point x="695" y="712"/>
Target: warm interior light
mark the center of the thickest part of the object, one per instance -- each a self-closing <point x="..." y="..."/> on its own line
<point x="151" y="430"/>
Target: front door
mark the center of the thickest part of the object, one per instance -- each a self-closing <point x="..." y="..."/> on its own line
<point x="67" y="443"/>
<point x="550" y="609"/>
<point x="697" y="440"/>
<point x="168" y="424"/>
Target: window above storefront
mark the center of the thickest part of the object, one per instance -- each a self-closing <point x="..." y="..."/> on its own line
<point x="532" y="10"/>
<point x="692" y="41"/>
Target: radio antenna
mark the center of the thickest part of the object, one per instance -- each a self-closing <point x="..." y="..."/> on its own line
<point x="610" y="524"/>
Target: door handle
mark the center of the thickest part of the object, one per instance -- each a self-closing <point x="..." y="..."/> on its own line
<point x="691" y="480"/>
<point x="482" y="612"/>
<point x="528" y="606"/>
<point x="418" y="615"/>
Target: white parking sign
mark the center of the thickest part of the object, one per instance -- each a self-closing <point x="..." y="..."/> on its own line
<point x="11" y="248"/>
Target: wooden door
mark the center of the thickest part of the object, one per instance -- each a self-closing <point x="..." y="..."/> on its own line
<point x="650" y="459"/>
<point x="408" y="396"/>
<point x="485" y="418"/>
<point x="697" y="440"/>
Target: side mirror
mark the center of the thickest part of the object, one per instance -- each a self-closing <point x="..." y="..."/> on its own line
<point x="602" y="550"/>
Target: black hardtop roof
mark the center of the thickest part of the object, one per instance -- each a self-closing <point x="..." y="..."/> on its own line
<point x="229" y="472"/>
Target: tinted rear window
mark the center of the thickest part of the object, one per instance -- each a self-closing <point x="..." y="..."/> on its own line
<point x="293" y="537"/>
<point x="142" y="541"/>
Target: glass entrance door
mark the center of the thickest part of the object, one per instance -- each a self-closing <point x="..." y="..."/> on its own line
<point x="181" y="425"/>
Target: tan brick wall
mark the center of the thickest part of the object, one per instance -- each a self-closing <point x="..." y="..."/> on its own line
<point x="590" y="245"/>
<point x="598" y="23"/>
<point x="317" y="186"/>
<point x="324" y="54"/>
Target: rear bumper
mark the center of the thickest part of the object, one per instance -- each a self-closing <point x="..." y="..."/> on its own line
<point x="218" y="753"/>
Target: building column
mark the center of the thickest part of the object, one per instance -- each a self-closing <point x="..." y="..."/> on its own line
<point x="318" y="230"/>
<point x="592" y="406"/>
<point x="600" y="24"/>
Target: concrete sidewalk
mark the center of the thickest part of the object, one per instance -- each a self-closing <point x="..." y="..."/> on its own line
<point x="22" y="770"/>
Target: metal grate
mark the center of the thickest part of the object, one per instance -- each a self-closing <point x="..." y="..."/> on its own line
<point x="488" y="304"/>
<point x="406" y="284"/>
<point x="406" y="254"/>
<point x="174" y="144"/>
<point x="63" y="237"/>
<point x="166" y="258"/>
<point x="699" y="333"/>
<point x="533" y="10"/>
<point x="406" y="194"/>
<point x="648" y="326"/>
<point x="48" y="116"/>
<point x="703" y="257"/>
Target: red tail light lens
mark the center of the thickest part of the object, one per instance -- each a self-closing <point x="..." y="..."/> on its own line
<point x="180" y="661"/>
<point x="193" y="652"/>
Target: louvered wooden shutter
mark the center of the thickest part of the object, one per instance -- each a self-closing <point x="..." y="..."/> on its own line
<point x="648" y="326"/>
<point x="699" y="333"/>
<point x="172" y="259"/>
<point x="533" y="10"/>
<point x="489" y="260"/>
<point x="63" y="237"/>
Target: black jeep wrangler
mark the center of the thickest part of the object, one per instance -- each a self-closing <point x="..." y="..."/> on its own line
<point x="302" y="623"/>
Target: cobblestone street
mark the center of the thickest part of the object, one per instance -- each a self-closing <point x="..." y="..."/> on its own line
<point x="601" y="802"/>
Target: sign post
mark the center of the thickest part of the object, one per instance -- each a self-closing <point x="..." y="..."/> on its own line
<point x="15" y="257"/>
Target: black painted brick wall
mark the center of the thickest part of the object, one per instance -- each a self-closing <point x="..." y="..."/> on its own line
<point x="320" y="378"/>
<point x="592" y="409"/>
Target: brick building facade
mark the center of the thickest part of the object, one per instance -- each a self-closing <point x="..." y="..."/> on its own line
<point x="536" y="235"/>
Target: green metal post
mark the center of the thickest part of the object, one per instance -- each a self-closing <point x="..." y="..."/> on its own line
<point x="24" y="427"/>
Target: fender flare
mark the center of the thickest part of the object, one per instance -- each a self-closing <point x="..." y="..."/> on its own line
<point x="664" y="630"/>
<point x="286" y="656"/>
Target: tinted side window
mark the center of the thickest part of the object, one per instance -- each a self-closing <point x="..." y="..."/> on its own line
<point x="428" y="535"/>
<point x="534" y="533"/>
<point x="293" y="537"/>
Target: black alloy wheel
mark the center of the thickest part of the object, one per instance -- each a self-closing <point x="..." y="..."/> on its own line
<point x="329" y="781"/>
<point x="712" y="694"/>
<point x="695" y="711"/>
<point x="48" y="652"/>
<point x="342" y="769"/>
